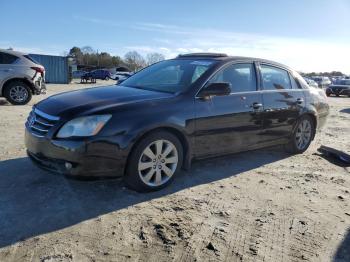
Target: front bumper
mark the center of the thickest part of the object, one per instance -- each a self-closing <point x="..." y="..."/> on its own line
<point x="76" y="158"/>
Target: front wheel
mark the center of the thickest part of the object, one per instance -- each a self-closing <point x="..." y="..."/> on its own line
<point x="302" y="135"/>
<point x="154" y="162"/>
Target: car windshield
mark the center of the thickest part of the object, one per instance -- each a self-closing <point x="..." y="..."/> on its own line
<point x="169" y="76"/>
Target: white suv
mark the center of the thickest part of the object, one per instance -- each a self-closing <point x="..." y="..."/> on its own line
<point x="20" y="77"/>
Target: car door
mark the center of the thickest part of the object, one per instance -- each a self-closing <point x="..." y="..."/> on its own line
<point x="231" y="123"/>
<point x="283" y="100"/>
<point x="98" y="74"/>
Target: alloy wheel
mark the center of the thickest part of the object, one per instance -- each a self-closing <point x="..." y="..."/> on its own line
<point x="158" y="162"/>
<point x="18" y="93"/>
<point x="303" y="134"/>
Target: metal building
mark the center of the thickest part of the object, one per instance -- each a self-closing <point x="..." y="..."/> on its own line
<point x="56" y="68"/>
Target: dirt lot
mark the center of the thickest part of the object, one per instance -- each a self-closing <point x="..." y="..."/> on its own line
<point x="258" y="206"/>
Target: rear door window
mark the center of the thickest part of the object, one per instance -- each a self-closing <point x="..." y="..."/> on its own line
<point x="241" y="77"/>
<point x="7" y="59"/>
<point x="274" y="78"/>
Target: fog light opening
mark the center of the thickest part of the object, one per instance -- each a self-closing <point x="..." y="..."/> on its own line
<point x="68" y="165"/>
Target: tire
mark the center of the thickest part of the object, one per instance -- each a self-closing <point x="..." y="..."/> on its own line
<point x="144" y="167"/>
<point x="18" y="93"/>
<point x="295" y="146"/>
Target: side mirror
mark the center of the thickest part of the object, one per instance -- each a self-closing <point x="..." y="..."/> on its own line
<point x="215" y="89"/>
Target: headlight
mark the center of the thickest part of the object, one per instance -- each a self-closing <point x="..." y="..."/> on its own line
<point x="83" y="126"/>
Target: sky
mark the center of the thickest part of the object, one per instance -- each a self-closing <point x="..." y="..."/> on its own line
<point x="309" y="36"/>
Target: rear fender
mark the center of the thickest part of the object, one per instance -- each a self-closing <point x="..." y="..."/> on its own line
<point x="17" y="78"/>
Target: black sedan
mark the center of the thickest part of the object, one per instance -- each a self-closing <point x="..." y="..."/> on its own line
<point x="168" y="114"/>
<point x="339" y="88"/>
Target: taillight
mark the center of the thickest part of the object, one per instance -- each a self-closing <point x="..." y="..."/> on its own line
<point x="38" y="69"/>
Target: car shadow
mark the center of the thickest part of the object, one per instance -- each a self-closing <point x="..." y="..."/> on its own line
<point x="3" y="102"/>
<point x="343" y="251"/>
<point x="35" y="202"/>
<point x="345" y="110"/>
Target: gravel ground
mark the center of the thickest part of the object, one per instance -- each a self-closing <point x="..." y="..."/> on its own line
<point x="258" y="206"/>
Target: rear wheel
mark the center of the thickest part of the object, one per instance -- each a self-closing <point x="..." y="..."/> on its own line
<point x="302" y="135"/>
<point x="18" y="93"/>
<point x="154" y="162"/>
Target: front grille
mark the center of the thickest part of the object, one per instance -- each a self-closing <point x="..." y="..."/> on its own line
<point x="39" y="123"/>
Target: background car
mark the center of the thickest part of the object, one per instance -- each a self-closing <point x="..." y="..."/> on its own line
<point x="334" y="79"/>
<point x="340" y="88"/>
<point x="20" y="77"/>
<point x="310" y="82"/>
<point x="102" y="74"/>
<point x="121" y="76"/>
<point x="322" y="81"/>
<point x="78" y="73"/>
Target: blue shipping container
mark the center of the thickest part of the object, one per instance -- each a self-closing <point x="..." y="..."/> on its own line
<point x="56" y="68"/>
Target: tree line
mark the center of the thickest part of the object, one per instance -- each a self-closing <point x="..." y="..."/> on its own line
<point x="88" y="57"/>
<point x="329" y="74"/>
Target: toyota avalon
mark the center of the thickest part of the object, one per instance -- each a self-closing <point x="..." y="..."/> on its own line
<point x="156" y="122"/>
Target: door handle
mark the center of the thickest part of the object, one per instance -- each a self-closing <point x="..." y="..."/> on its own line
<point x="257" y="105"/>
<point x="300" y="100"/>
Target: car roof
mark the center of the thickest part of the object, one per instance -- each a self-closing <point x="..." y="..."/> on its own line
<point x="16" y="53"/>
<point x="225" y="57"/>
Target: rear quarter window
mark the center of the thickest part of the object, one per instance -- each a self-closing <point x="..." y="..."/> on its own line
<point x="295" y="84"/>
<point x="31" y="59"/>
<point x="302" y="83"/>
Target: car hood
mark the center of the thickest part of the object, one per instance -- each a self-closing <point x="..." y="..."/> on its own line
<point x="95" y="99"/>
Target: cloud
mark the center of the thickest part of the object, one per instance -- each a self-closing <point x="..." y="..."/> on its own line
<point x="34" y="50"/>
<point x="98" y="21"/>
<point x="143" y="49"/>
<point x="304" y="54"/>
